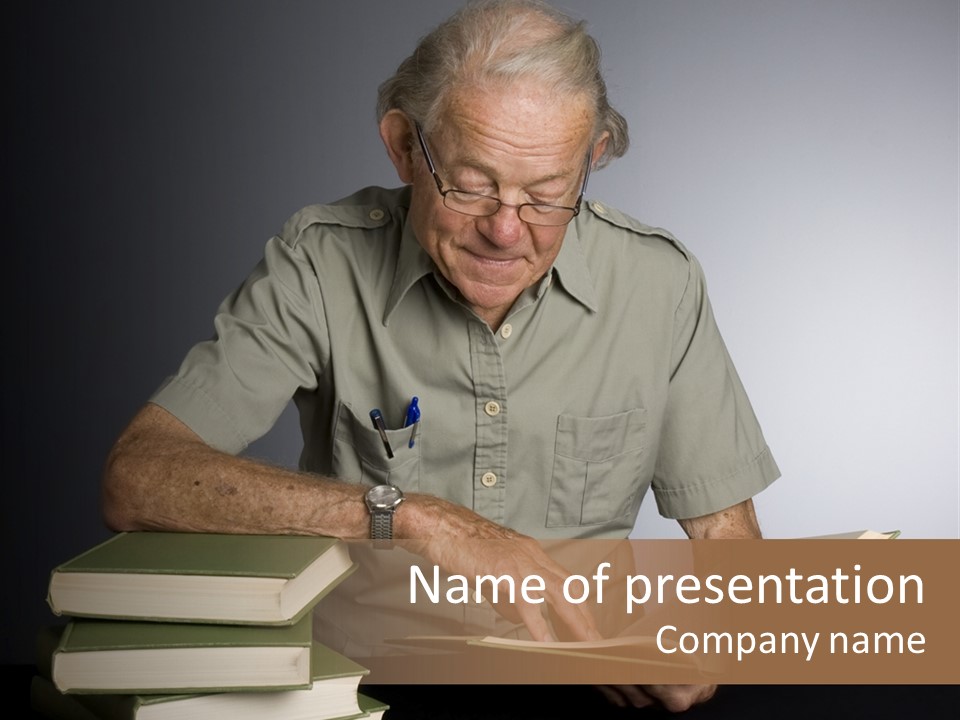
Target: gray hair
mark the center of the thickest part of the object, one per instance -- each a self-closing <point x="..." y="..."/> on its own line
<point x="504" y="41"/>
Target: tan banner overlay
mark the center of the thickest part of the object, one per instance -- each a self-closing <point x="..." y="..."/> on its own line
<point x="668" y="611"/>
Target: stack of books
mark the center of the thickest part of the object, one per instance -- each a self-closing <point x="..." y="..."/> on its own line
<point x="171" y="626"/>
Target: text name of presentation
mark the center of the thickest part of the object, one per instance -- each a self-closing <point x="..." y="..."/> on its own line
<point x="840" y="587"/>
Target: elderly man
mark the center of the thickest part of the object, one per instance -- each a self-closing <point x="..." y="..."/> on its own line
<point x="564" y="356"/>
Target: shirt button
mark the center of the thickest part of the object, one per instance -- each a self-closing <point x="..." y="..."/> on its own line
<point x="506" y="331"/>
<point x="376" y="214"/>
<point x="598" y="208"/>
<point x="488" y="479"/>
<point x="492" y="408"/>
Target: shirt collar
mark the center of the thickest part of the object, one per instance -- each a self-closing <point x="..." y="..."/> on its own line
<point x="412" y="264"/>
<point x="570" y="267"/>
<point x="572" y="271"/>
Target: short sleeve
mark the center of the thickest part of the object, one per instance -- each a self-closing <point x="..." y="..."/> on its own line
<point x="712" y="451"/>
<point x="271" y="341"/>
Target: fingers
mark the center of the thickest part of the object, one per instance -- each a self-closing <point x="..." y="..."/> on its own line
<point x="535" y="622"/>
<point x="575" y="618"/>
<point x="677" y="698"/>
<point x="613" y="696"/>
<point x="462" y="542"/>
<point x="626" y="695"/>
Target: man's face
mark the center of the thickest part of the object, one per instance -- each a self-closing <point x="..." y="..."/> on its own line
<point x="520" y="145"/>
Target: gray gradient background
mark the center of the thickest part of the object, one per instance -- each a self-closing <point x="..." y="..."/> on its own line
<point x="807" y="152"/>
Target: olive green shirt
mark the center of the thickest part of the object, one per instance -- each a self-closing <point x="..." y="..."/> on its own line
<point x="608" y="377"/>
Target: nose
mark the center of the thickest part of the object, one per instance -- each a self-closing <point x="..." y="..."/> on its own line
<point x="504" y="228"/>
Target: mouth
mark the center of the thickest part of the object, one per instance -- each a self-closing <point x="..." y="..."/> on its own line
<point x="493" y="271"/>
<point x="493" y="261"/>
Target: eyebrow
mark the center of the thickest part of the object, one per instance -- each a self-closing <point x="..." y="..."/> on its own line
<point x="476" y="164"/>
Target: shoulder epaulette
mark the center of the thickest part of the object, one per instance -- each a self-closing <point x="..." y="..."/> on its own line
<point x="359" y="211"/>
<point x="622" y="220"/>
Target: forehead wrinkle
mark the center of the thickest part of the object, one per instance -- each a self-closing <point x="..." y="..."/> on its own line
<point x="511" y="141"/>
<point x="517" y="120"/>
<point x="466" y="158"/>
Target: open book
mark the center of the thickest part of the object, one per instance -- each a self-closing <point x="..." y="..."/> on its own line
<point x="640" y="649"/>
<point x="859" y="535"/>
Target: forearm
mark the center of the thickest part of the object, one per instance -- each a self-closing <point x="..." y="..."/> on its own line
<point x="735" y="522"/>
<point x="161" y="476"/>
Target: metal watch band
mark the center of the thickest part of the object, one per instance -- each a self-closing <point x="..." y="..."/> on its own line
<point x="381" y="525"/>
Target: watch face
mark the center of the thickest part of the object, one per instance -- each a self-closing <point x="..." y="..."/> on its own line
<point x="383" y="497"/>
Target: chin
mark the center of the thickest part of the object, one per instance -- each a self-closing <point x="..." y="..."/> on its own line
<point x="489" y="297"/>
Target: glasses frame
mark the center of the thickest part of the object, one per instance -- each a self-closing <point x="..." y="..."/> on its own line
<point x="500" y="203"/>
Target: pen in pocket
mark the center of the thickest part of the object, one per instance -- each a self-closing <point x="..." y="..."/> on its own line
<point x="413" y="418"/>
<point x="377" y="417"/>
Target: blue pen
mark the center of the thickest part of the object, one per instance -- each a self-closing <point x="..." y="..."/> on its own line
<point x="413" y="418"/>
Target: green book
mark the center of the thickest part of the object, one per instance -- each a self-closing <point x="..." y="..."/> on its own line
<point x="333" y="696"/>
<point x="102" y="656"/>
<point x="373" y="709"/>
<point x="49" y="702"/>
<point x="200" y="577"/>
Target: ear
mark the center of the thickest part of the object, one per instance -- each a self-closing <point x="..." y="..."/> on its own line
<point x="599" y="148"/>
<point x="398" y="137"/>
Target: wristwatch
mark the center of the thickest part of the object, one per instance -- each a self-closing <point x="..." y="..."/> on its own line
<point x="382" y="501"/>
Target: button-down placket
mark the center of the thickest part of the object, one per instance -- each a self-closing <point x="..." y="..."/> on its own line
<point x="490" y="387"/>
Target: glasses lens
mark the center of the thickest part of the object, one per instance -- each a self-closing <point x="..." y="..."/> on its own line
<point x="546" y="214"/>
<point x="471" y="203"/>
<point x="484" y="206"/>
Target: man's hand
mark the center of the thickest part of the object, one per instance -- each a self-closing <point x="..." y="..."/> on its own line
<point x="675" y="698"/>
<point x="737" y="521"/>
<point x="462" y="542"/>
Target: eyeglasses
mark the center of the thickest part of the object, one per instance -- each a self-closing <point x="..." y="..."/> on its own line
<point x="479" y="205"/>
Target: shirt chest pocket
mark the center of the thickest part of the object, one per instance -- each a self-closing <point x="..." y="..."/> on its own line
<point x="598" y="468"/>
<point x="359" y="454"/>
